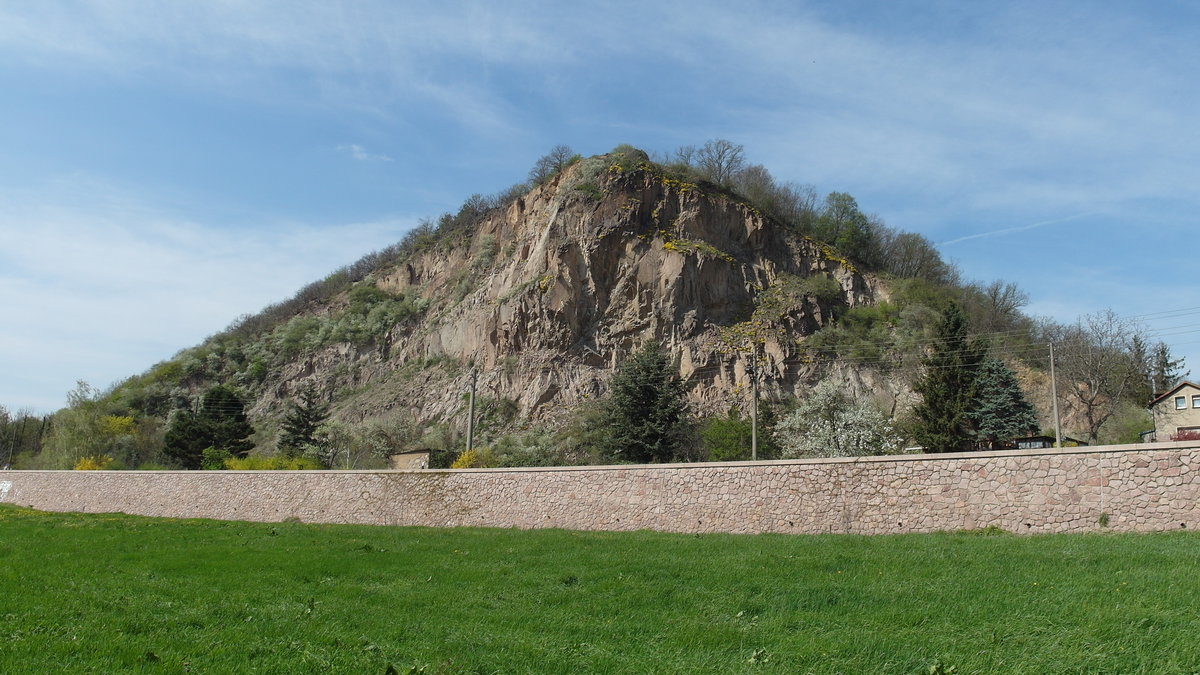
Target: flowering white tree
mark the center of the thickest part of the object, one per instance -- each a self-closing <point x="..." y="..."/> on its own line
<point x="830" y="424"/>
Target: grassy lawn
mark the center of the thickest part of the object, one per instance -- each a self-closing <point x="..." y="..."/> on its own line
<point x="113" y="593"/>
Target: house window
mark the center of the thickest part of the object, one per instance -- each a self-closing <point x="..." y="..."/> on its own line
<point x="1181" y="403"/>
<point x="1196" y="401"/>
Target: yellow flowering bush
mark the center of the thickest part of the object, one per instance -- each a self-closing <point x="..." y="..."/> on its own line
<point x="93" y="463"/>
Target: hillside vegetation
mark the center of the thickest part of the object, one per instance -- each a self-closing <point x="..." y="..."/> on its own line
<point x="542" y="291"/>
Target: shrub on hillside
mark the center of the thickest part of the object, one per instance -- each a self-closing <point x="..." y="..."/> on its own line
<point x="94" y="463"/>
<point x="475" y="458"/>
<point x="213" y="459"/>
<point x="729" y="438"/>
<point x="274" y="463"/>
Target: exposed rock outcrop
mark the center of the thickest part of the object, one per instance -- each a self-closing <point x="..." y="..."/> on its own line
<point x="545" y="297"/>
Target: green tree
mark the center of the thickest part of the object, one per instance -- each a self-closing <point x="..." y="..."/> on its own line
<point x="1001" y="410"/>
<point x="220" y="423"/>
<point x="93" y="426"/>
<point x="1165" y="370"/>
<point x="1161" y="370"/>
<point x="645" y="418"/>
<point x="304" y="417"/>
<point x="842" y="224"/>
<point x="20" y="437"/>
<point x="74" y="430"/>
<point x="942" y="420"/>
<point x="727" y="438"/>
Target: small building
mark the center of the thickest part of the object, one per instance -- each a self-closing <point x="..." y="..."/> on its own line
<point x="1177" y="412"/>
<point x="1039" y="442"/>
<point x="1028" y="443"/>
<point x="409" y="461"/>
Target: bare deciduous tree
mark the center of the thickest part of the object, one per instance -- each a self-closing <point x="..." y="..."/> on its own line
<point x="996" y="307"/>
<point x="685" y="155"/>
<point x="1097" y="366"/>
<point x="909" y="255"/>
<point x="719" y="160"/>
<point x="551" y="163"/>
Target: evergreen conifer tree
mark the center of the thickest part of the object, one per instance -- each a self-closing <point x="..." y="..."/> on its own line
<point x="1001" y="410"/>
<point x="947" y="389"/>
<point x="1165" y="370"/>
<point x="304" y="417"/>
<point x="219" y="423"/>
<point x="1159" y="370"/>
<point x="645" y="418"/>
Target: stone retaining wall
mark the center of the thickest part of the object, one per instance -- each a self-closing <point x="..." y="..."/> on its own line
<point x="1128" y="488"/>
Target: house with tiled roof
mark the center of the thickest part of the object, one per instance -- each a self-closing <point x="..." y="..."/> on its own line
<point x="1177" y="412"/>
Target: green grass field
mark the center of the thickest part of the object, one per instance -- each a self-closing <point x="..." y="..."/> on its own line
<point x="114" y="593"/>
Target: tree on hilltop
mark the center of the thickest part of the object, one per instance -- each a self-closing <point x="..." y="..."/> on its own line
<point x="548" y="165"/>
<point x="720" y="160"/>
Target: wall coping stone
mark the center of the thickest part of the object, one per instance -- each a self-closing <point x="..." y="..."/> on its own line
<point x="814" y="461"/>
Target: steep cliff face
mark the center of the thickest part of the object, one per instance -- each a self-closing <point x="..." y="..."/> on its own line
<point x="546" y="296"/>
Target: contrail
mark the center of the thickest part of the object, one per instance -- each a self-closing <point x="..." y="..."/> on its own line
<point x="1010" y="230"/>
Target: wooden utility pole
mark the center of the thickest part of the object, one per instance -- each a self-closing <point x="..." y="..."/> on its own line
<point x="1054" y="398"/>
<point x="471" y="411"/>
<point x="754" y="405"/>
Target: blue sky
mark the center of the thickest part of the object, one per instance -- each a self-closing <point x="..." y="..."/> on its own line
<point x="167" y="166"/>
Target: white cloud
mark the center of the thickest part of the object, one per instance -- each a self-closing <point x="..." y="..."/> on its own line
<point x="360" y="153"/>
<point x="363" y="56"/>
<point x="1007" y="115"/>
<point x="102" y="289"/>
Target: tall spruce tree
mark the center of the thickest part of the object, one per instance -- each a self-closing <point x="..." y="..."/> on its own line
<point x="1160" y="370"/>
<point x="220" y="422"/>
<point x="645" y="418"/>
<point x="947" y="389"/>
<point x="1001" y="411"/>
<point x="303" y="418"/>
<point x="1166" y="370"/>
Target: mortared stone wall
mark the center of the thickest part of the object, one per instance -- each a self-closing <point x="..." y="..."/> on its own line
<point x="1143" y="487"/>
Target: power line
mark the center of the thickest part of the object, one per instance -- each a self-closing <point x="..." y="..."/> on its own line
<point x="1167" y="312"/>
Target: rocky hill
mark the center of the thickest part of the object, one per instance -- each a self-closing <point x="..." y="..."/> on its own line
<point x="539" y="294"/>
<point x="543" y="296"/>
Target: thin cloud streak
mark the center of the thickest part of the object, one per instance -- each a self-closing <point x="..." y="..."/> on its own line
<point x="1011" y="230"/>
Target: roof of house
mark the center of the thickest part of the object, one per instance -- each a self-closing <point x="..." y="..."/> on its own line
<point x="1176" y="388"/>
